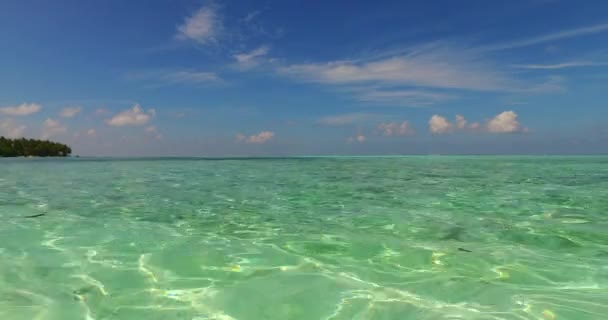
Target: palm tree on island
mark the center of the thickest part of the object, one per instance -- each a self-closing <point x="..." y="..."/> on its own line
<point x="32" y="148"/>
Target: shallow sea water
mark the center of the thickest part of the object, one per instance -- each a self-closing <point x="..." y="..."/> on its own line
<point x="306" y="238"/>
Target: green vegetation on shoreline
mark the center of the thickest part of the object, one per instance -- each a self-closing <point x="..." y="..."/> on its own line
<point x="32" y="148"/>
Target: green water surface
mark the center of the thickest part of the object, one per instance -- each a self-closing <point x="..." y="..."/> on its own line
<point x="309" y="238"/>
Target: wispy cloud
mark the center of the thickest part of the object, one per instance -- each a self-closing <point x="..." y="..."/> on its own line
<point x="190" y="76"/>
<point x="51" y="128"/>
<point x="417" y="76"/>
<point x="152" y="130"/>
<point x="564" y="65"/>
<point x="430" y="67"/>
<point x="203" y="27"/>
<point x="553" y="84"/>
<point x="173" y="77"/>
<point x="23" y="109"/>
<point x="70" y="112"/>
<point x="390" y="129"/>
<point x="135" y="116"/>
<point x="564" y="34"/>
<point x="252" y="15"/>
<point x="402" y="97"/>
<point x="102" y="112"/>
<point x="359" y="138"/>
<point x="11" y="129"/>
<point x="261" y="137"/>
<point x="461" y="122"/>
<point x="349" y="119"/>
<point x="251" y="59"/>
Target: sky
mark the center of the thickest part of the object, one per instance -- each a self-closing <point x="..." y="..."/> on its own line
<point x="280" y="78"/>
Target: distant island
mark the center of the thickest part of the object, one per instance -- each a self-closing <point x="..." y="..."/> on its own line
<point x="32" y="148"/>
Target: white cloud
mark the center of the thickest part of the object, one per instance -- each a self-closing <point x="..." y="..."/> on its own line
<point x="420" y="75"/>
<point x="150" y="129"/>
<point x="135" y="116"/>
<point x="189" y="76"/>
<point x="91" y="132"/>
<point x="23" y="109"/>
<point x="101" y="112"/>
<point x="360" y="138"/>
<point x="505" y="122"/>
<point x="52" y="128"/>
<point x="202" y="27"/>
<point x="170" y="77"/>
<point x="348" y="119"/>
<point x="261" y="137"/>
<point x="251" y="59"/>
<point x="551" y="49"/>
<point x="396" y="129"/>
<point x="552" y="84"/>
<point x="250" y="16"/>
<point x="70" y="112"/>
<point x="405" y="97"/>
<point x="432" y="66"/>
<point x="461" y="122"/>
<point x="10" y="129"/>
<point x="572" y="33"/>
<point x="439" y="125"/>
<point x="572" y="64"/>
<point x="401" y="73"/>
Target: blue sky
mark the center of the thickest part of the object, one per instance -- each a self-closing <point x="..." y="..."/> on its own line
<point x="227" y="78"/>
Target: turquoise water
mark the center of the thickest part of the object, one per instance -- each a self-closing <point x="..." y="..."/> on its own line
<point x="315" y="238"/>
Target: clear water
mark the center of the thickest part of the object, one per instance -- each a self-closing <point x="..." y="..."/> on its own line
<point x="318" y="238"/>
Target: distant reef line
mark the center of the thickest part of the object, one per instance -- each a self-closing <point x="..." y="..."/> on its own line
<point x="23" y="147"/>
